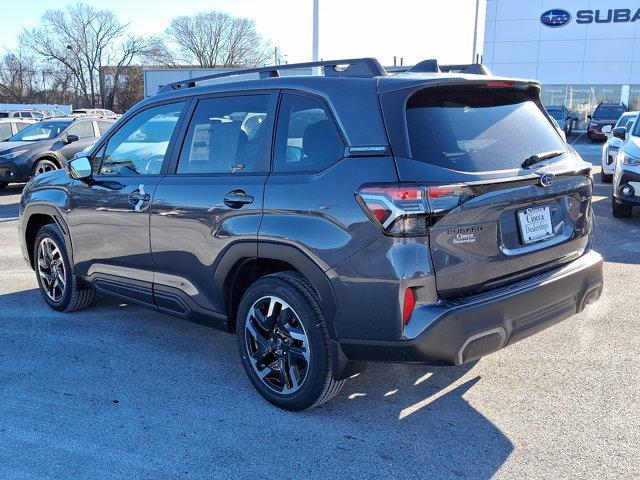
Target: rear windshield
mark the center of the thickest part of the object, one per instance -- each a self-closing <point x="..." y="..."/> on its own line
<point x="609" y="112"/>
<point x="475" y="129"/>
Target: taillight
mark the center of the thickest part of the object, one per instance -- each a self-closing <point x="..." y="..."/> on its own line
<point x="408" y="211"/>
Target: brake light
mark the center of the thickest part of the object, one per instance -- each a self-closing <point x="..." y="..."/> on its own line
<point x="408" y="211"/>
<point x="409" y="305"/>
<point x="499" y="84"/>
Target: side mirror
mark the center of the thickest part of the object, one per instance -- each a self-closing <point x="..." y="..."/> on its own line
<point x="589" y="117"/>
<point x="606" y="129"/>
<point x="620" y="132"/>
<point x="72" y="138"/>
<point x="80" y="168"/>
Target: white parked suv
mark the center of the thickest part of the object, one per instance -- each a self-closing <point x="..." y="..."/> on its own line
<point x="612" y="145"/>
<point x="626" y="173"/>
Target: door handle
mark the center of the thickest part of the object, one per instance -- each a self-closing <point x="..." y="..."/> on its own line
<point x="138" y="197"/>
<point x="237" y="198"/>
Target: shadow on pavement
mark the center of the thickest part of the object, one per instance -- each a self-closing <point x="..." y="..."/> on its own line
<point x="8" y="212"/>
<point x="129" y="391"/>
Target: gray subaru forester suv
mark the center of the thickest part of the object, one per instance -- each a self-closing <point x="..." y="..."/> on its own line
<point x="431" y="216"/>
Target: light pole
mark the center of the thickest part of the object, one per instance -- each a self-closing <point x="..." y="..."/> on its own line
<point x="316" y="7"/>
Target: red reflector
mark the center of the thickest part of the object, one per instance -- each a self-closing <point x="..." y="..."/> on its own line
<point x="379" y="211"/>
<point x="499" y="84"/>
<point x="409" y="304"/>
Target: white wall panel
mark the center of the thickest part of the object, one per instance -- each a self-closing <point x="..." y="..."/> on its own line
<point x="518" y="70"/>
<point x="606" y="72"/>
<point x="515" y="52"/>
<point x="618" y="50"/>
<point x="517" y="30"/>
<point x="527" y="9"/>
<point x="562" y="51"/>
<point x="560" y="73"/>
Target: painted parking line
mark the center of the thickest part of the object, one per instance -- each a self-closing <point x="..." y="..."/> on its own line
<point x="577" y="138"/>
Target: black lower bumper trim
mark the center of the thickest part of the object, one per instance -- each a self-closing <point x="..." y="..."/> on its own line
<point x="473" y="328"/>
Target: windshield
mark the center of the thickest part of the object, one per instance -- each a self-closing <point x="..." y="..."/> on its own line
<point x="472" y="129"/>
<point x="40" y="131"/>
<point x="556" y="113"/>
<point x="609" y="112"/>
<point x="625" y="119"/>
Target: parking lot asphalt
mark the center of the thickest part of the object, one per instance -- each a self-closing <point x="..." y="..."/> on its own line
<point x="120" y="392"/>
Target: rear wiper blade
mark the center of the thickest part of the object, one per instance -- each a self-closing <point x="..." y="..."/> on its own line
<point x="539" y="157"/>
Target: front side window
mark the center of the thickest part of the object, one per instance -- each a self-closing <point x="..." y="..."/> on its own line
<point x="40" y="131"/>
<point x="226" y="135"/>
<point x="25" y="114"/>
<point x="307" y="140"/>
<point x="473" y="129"/>
<point x="83" y="130"/>
<point x="140" y="145"/>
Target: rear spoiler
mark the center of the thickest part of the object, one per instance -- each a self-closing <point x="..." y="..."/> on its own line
<point x="432" y="66"/>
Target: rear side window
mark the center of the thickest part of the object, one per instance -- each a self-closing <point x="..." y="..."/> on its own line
<point x="83" y="130"/>
<point x="104" y="126"/>
<point x="472" y="129"/>
<point x="307" y="140"/>
<point x="226" y="135"/>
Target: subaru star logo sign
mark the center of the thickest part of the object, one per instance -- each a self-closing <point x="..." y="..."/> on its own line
<point x="547" y="179"/>
<point x="555" y="18"/>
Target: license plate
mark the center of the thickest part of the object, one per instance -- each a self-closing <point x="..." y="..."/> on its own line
<point x="535" y="224"/>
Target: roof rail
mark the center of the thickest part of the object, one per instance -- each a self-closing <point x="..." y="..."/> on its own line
<point x="355" y="67"/>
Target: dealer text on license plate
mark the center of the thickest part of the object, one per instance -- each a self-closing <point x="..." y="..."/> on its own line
<point x="535" y="224"/>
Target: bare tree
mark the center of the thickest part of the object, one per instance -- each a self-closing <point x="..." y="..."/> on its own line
<point x="83" y="39"/>
<point x="217" y="39"/>
<point x="18" y="76"/>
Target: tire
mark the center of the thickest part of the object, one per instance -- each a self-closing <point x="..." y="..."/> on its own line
<point x="621" y="211"/>
<point x="63" y="293"/>
<point x="293" y="334"/>
<point x="43" y="166"/>
<point x="604" y="178"/>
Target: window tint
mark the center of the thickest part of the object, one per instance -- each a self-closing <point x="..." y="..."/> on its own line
<point x="5" y="131"/>
<point x="139" y="146"/>
<point x="104" y="126"/>
<point x="472" y="129"/>
<point x="226" y="135"/>
<point x="82" y="130"/>
<point x="609" y="111"/>
<point x="306" y="140"/>
<point x="4" y="114"/>
<point x="25" y="114"/>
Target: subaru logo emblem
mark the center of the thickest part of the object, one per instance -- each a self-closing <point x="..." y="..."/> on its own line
<point x="547" y="179"/>
<point x="555" y="18"/>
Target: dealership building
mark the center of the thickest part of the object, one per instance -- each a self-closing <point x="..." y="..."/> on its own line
<point x="583" y="51"/>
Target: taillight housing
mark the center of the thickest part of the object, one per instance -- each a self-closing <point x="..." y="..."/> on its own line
<point x="409" y="210"/>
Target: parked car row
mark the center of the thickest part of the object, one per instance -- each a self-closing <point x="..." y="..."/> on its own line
<point x="46" y="145"/>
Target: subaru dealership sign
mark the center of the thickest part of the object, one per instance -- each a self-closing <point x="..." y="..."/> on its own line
<point x="559" y="17"/>
<point x="555" y="18"/>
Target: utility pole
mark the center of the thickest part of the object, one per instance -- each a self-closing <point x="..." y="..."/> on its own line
<point x="475" y="34"/>
<point x="316" y="27"/>
<point x="316" y="8"/>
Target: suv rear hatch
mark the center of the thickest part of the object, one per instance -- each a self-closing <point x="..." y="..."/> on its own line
<point x="503" y="196"/>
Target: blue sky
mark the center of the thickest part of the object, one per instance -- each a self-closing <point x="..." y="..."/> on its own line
<point x="414" y="29"/>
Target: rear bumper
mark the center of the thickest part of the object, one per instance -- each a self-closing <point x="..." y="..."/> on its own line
<point x="455" y="332"/>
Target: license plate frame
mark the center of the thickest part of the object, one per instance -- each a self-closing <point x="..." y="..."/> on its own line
<point x="535" y="224"/>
